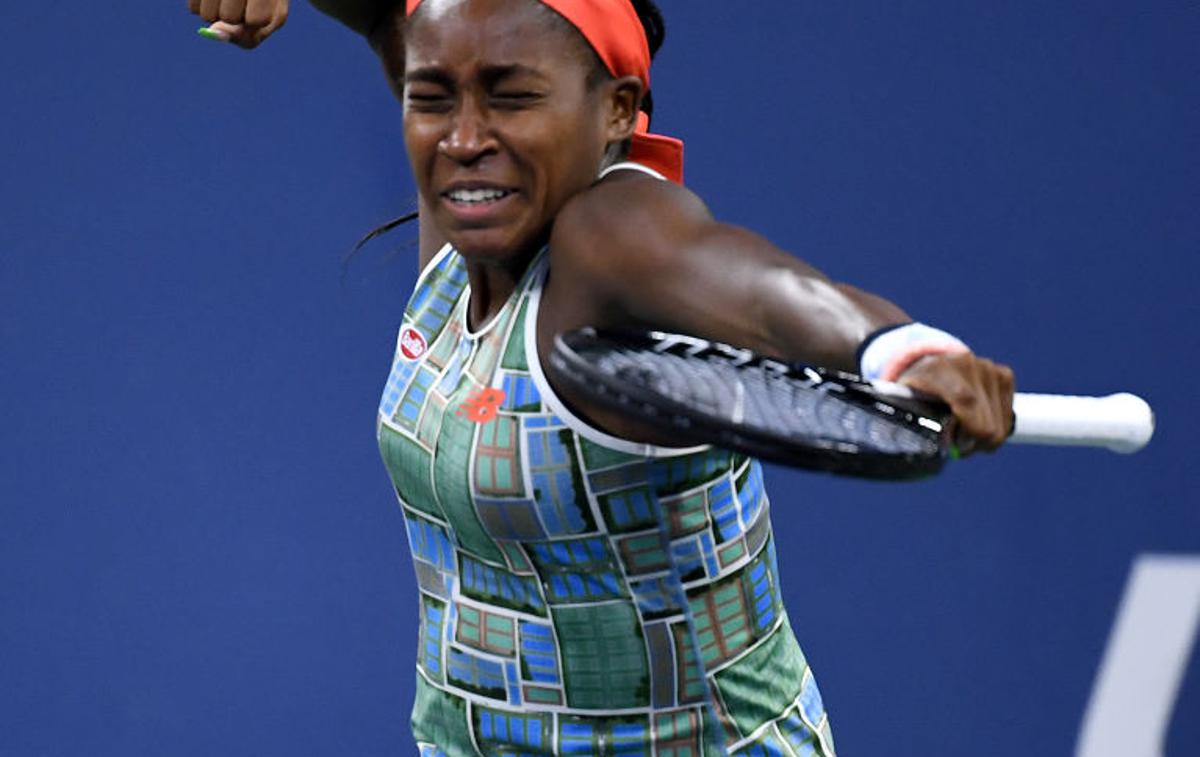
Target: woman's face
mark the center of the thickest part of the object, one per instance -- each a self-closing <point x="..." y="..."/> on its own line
<point x="501" y="125"/>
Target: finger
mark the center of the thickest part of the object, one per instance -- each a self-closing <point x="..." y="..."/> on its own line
<point x="992" y="428"/>
<point x="263" y="13"/>
<point x="210" y="10"/>
<point x="274" y="25"/>
<point x="233" y="11"/>
<point x="964" y="446"/>
<point x="963" y="390"/>
<point x="998" y="387"/>
<point x="970" y="410"/>
<point x="975" y="404"/>
<point x="1002" y="386"/>
<point x="251" y="37"/>
<point x="953" y="389"/>
<point x="219" y="31"/>
<point x="194" y="7"/>
<point x="243" y="36"/>
<point x="993" y="434"/>
<point x="995" y="385"/>
<point x="1004" y="402"/>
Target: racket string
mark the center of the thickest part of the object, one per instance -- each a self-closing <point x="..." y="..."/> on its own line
<point x="767" y="399"/>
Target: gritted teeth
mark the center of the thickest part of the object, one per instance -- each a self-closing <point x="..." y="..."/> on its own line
<point x="471" y="196"/>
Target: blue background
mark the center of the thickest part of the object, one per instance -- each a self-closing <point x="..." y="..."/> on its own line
<point x="199" y="550"/>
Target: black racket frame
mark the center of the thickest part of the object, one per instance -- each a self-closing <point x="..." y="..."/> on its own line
<point x="929" y="419"/>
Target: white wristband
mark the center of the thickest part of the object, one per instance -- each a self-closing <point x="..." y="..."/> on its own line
<point x="888" y="353"/>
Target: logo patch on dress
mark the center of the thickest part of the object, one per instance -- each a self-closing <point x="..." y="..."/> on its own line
<point x="482" y="406"/>
<point x="412" y="344"/>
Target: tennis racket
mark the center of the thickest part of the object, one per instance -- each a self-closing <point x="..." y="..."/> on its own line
<point x="700" y="391"/>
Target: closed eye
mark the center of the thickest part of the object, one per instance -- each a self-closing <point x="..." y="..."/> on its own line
<point x="427" y="101"/>
<point x="516" y="99"/>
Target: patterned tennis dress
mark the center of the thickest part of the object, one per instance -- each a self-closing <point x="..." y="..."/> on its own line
<point x="579" y="593"/>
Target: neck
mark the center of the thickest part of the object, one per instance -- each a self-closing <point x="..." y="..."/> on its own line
<point x="492" y="284"/>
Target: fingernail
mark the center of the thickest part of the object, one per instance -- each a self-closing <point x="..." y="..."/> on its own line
<point x="955" y="454"/>
<point x="213" y="34"/>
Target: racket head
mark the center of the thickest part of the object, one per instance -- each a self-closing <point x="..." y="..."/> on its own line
<point x="699" y="391"/>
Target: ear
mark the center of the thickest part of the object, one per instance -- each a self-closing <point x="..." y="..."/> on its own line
<point x="624" y="97"/>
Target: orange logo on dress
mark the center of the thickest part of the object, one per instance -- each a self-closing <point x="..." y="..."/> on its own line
<point x="483" y="405"/>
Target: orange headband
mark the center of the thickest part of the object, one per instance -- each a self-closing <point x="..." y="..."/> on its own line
<point x="615" y="32"/>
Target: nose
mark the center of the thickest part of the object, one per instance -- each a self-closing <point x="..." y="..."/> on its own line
<point x="469" y="137"/>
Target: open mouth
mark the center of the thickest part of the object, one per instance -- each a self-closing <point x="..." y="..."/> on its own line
<point x="471" y="197"/>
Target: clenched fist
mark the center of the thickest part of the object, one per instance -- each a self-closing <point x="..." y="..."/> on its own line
<point x="978" y="391"/>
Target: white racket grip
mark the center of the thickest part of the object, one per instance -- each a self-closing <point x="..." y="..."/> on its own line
<point x="1121" y="422"/>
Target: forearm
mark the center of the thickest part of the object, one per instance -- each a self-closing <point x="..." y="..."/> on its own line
<point x="381" y="23"/>
<point x="774" y="302"/>
<point x="359" y="15"/>
<point x="817" y="321"/>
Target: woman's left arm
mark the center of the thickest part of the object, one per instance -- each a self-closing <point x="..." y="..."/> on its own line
<point x="634" y="250"/>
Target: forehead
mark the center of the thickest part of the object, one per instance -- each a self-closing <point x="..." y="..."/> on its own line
<point x="452" y="32"/>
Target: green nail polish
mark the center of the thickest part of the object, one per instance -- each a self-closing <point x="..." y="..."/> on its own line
<point x="955" y="454"/>
<point x="207" y="33"/>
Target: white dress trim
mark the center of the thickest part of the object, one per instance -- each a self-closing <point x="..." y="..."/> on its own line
<point x="465" y="301"/>
<point x="464" y="309"/>
<point x="433" y="263"/>
<point x="559" y="408"/>
<point x="629" y="165"/>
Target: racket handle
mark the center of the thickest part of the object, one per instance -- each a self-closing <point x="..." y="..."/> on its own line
<point x="1121" y="422"/>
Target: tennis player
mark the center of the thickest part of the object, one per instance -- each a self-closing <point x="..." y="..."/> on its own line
<point x="587" y="587"/>
<point x="891" y="355"/>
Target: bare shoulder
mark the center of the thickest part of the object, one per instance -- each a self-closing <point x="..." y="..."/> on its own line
<point x="626" y="209"/>
<point x="627" y="221"/>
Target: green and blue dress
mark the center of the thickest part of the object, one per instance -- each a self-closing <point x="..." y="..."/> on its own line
<point x="579" y="593"/>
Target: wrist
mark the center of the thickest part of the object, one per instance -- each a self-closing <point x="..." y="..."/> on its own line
<point x="888" y="352"/>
